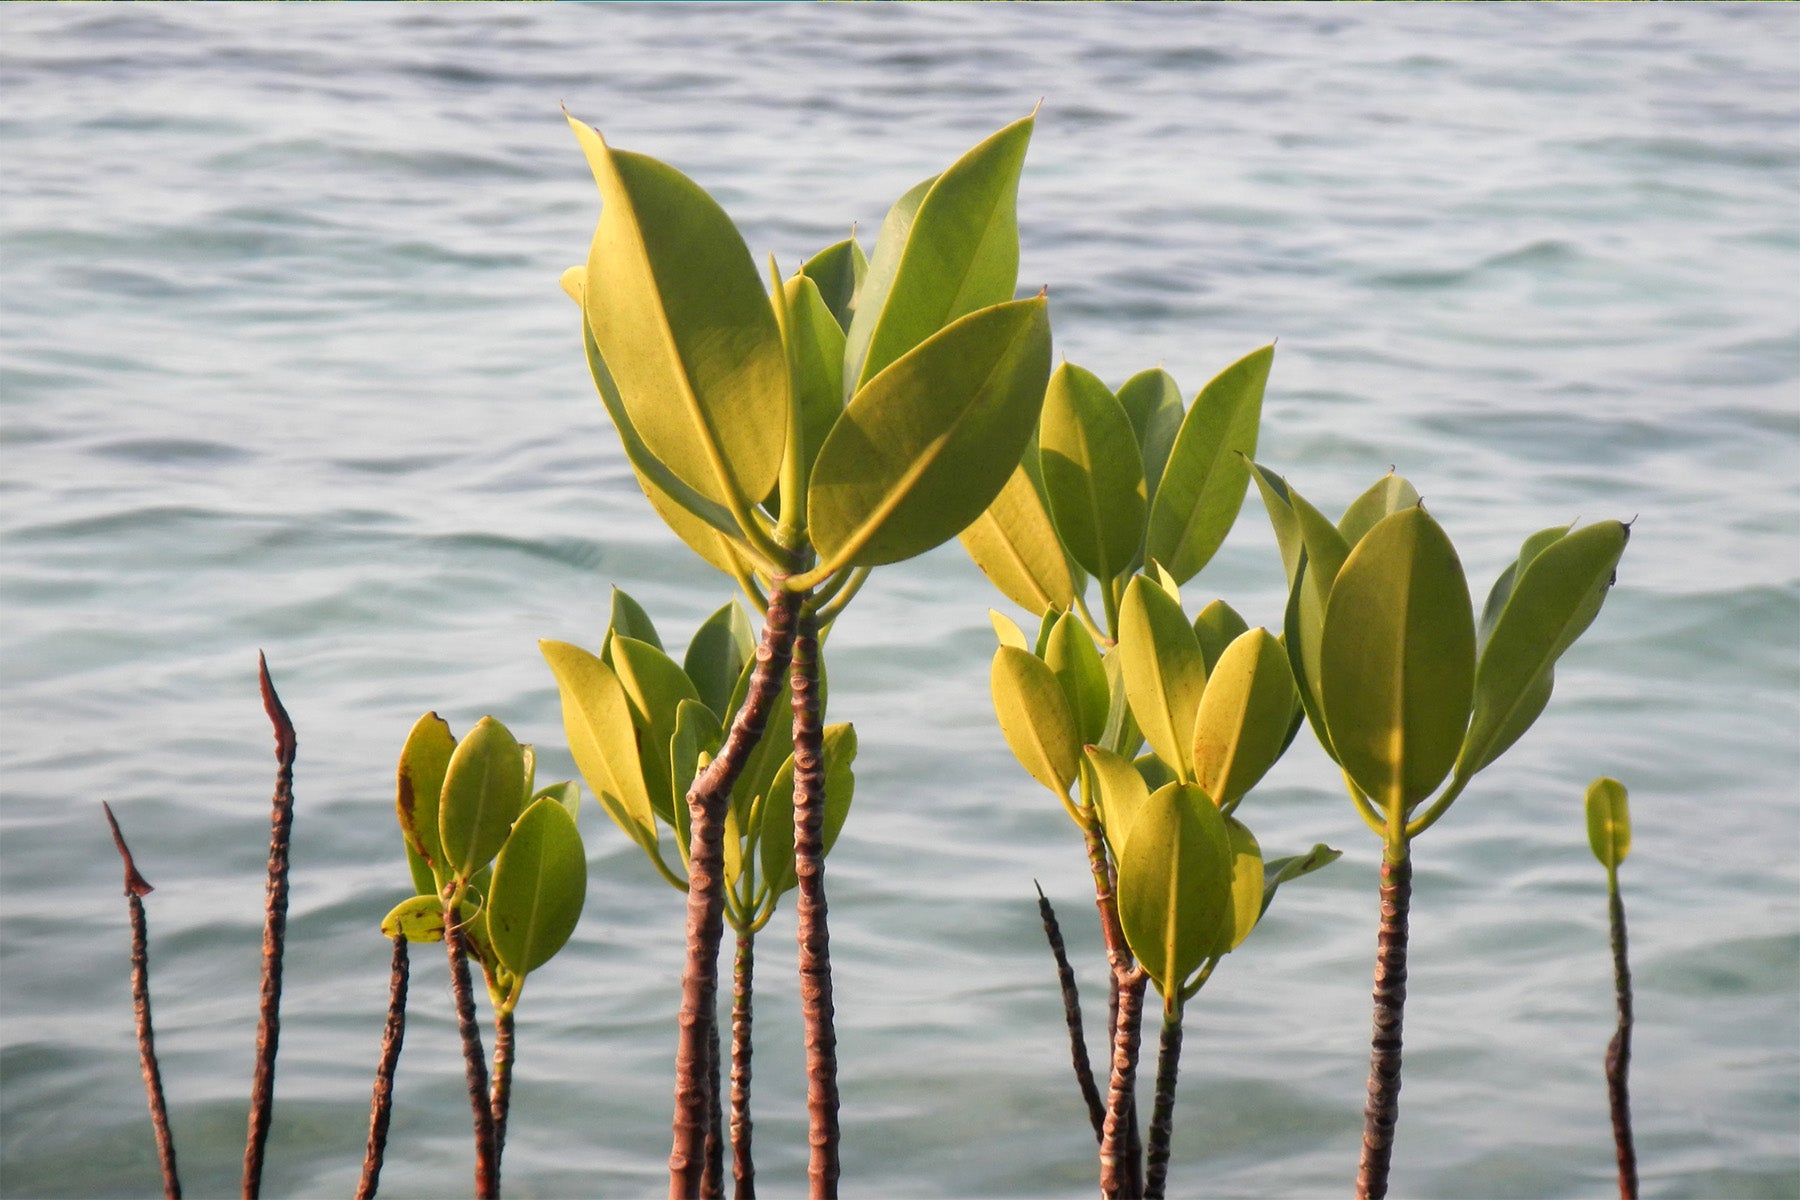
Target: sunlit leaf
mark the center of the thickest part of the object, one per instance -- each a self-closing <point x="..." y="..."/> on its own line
<point x="949" y="252"/>
<point x="630" y="620"/>
<point x="540" y="882"/>
<point x="1122" y="735"/>
<point x="1246" y="887"/>
<point x="420" y="918"/>
<point x="1608" y="822"/>
<point x="1093" y="473"/>
<point x="1390" y="494"/>
<point x="1072" y="656"/>
<point x="1153" y="402"/>
<point x="602" y="739"/>
<point x="1244" y="717"/>
<point x="1006" y="630"/>
<point x="1014" y="543"/>
<point x="567" y="794"/>
<point x="816" y="344"/>
<point x="679" y="314"/>
<point x="484" y="791"/>
<point x="1035" y="718"/>
<point x="1119" y="792"/>
<point x="654" y="686"/>
<point x="1399" y="660"/>
<point x="1164" y="673"/>
<point x="838" y="272"/>
<point x="420" y="782"/>
<point x="716" y="656"/>
<point x="1175" y="884"/>
<point x="1216" y="627"/>
<point x="925" y="446"/>
<point x="1202" y="486"/>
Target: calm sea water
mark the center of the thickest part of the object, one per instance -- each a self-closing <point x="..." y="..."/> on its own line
<point x="286" y="368"/>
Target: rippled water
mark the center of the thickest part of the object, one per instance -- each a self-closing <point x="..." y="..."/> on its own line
<point x="286" y="367"/>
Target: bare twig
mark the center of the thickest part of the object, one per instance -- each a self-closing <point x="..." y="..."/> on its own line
<point x="500" y="1091"/>
<point x="810" y="912"/>
<point x="381" y="1104"/>
<point x="1071" y="995"/>
<point x="1125" y="1161"/>
<point x="1118" y="1165"/>
<point x="487" y="1169"/>
<point x="1618" y="1052"/>
<point x="706" y="802"/>
<point x="712" y="1179"/>
<point x="136" y="887"/>
<point x="1162" y="1115"/>
<point x="743" y="1166"/>
<point x="1383" y="1110"/>
<point x="268" y="1034"/>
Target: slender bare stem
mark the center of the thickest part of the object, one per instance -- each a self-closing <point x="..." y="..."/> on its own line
<point x="1383" y="1110"/>
<point x="743" y="1166"/>
<point x="500" y="1089"/>
<point x="712" y="1179"/>
<point x="706" y="896"/>
<point x="268" y="1033"/>
<point x="1071" y="996"/>
<point x="1618" y="1052"/>
<point x="1129" y="1154"/>
<point x="810" y="912"/>
<point x="136" y="887"/>
<point x="1118" y="1170"/>
<point x="381" y="1104"/>
<point x="1162" y="1116"/>
<point x="487" y="1168"/>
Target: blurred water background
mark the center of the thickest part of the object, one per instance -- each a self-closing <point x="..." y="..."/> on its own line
<point x="286" y="368"/>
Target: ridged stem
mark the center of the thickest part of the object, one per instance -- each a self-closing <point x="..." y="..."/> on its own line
<point x="268" y="1032"/>
<point x="743" y="1166"/>
<point x="1124" y="973"/>
<point x="1071" y="997"/>
<point x="1119" y="1178"/>
<point x="381" y="1104"/>
<point x="456" y="945"/>
<point x="706" y="801"/>
<point x="1618" y="1052"/>
<point x="1383" y="1110"/>
<point x="810" y="911"/>
<point x="712" y="1179"/>
<point x="500" y="1089"/>
<point x="1162" y="1115"/>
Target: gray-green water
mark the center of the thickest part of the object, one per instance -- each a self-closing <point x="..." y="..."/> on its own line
<point x="286" y="367"/>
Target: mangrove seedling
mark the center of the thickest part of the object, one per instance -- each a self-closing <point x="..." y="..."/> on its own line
<point x="1609" y="834"/>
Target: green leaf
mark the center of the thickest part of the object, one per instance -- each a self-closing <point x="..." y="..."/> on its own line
<point x="924" y="447"/>
<point x="1119" y="793"/>
<point x="1122" y="735"/>
<point x="1075" y="660"/>
<point x="1202" y="487"/>
<point x="1244" y="717"/>
<point x="1006" y="630"/>
<point x="1153" y="402"/>
<point x="1608" y="822"/>
<point x="484" y="790"/>
<point x="697" y="733"/>
<point x="1035" y="718"/>
<point x="1501" y="592"/>
<point x="837" y="271"/>
<point x="679" y="314"/>
<point x="1175" y="884"/>
<point x="420" y="918"/>
<point x="654" y="686"/>
<point x="949" y="252"/>
<point x="424" y="760"/>
<point x="1246" y="887"/>
<point x="1389" y="494"/>
<point x="1165" y="675"/>
<point x="1399" y="660"/>
<point x="1093" y="475"/>
<point x="1014" y="543"/>
<point x="1283" y="870"/>
<point x="602" y="739"/>
<point x="540" y="882"/>
<point x="776" y="840"/>
<point x="424" y="882"/>
<point x="716" y="656"/>
<point x="1217" y="626"/>
<point x="567" y="794"/>
<point x="1556" y="597"/>
<point x="630" y="620"/>
<point x="816" y="346"/>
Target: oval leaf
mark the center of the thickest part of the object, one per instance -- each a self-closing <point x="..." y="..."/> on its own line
<point x="1246" y="887"/>
<point x="1398" y="660"/>
<point x="1175" y="885"/>
<point x="1202" y="487"/>
<point x="815" y="345"/>
<point x="1072" y="656"/>
<point x="926" y="445"/>
<point x="540" y="882"/>
<point x="420" y="918"/>
<point x="1119" y="792"/>
<point x="1216" y="627"/>
<point x="680" y="317"/>
<point x="716" y="657"/>
<point x="1035" y="718"/>
<point x="1244" y="718"/>
<point x="1093" y="473"/>
<point x="1390" y="494"/>
<point x="484" y="790"/>
<point x="602" y="739"/>
<point x="630" y="620"/>
<point x="424" y="761"/>
<point x="1014" y="543"/>
<point x="1608" y="822"/>
<point x="1165" y="676"/>
<point x="1153" y="402"/>
<point x="837" y="271"/>
<point x="654" y="685"/>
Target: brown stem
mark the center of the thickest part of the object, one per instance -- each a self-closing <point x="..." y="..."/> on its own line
<point x="268" y="1033"/>
<point x="136" y="887"/>
<point x="1071" y="996"/>
<point x="1162" y="1116"/>
<point x="1124" y="971"/>
<point x="1383" y="1110"/>
<point x="381" y="1105"/>
<point x="706" y="897"/>
<point x="500" y="1089"/>
<point x="743" y="1167"/>
<point x="1618" y="1053"/>
<point x="712" y="1179"/>
<point x="1118" y="1170"/>
<point x="487" y="1169"/>
<point x="810" y="912"/>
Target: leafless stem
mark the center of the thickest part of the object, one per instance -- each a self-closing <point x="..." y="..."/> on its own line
<point x="712" y="1179"/>
<point x="810" y="912"/>
<point x="1618" y="1052"/>
<point x="1162" y="1115"/>
<point x="500" y="1090"/>
<point x="1383" y="1110"/>
<point x="487" y="1168"/>
<point x="1071" y="996"/>
<point x="381" y="1105"/>
<point x="136" y="887"/>
<point x="268" y="1034"/>
<point x="1118" y="1165"/>
<point x="743" y="1167"/>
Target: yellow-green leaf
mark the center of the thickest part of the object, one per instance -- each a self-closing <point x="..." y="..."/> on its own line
<point x="420" y="783"/>
<point x="838" y="271"/>
<point x="1006" y="630"/>
<point x="655" y="685"/>
<point x="1175" y="885"/>
<point x="1153" y="402"/>
<point x="1074" y="659"/>
<point x="1165" y="675"/>
<point x="1246" y="887"/>
<point x="1093" y="472"/>
<point x="1216" y="627"/>
<point x="1014" y="543"/>
<point x="815" y="345"/>
<point x="484" y="791"/>
<point x="1244" y="717"/>
<point x="1388" y="495"/>
<point x="420" y="918"/>
<point x="1119" y="791"/>
<point x="602" y="739"/>
<point x="1035" y="718"/>
<point x="1608" y="822"/>
<point x="540" y="883"/>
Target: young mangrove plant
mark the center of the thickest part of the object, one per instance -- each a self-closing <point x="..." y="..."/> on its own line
<point x="1609" y="834"/>
<point x="859" y="413"/>
<point x="499" y="876"/>
<point x="1405" y="692"/>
